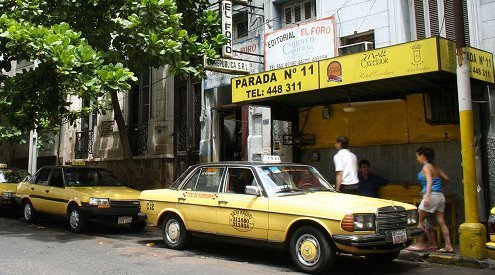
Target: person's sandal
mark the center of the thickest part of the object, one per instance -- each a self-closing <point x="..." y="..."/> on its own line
<point x="443" y="250"/>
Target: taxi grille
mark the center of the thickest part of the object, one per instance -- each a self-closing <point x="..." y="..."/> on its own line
<point x="133" y="203"/>
<point x="391" y="218"/>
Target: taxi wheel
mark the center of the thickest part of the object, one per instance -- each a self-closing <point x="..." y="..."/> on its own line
<point x="76" y="220"/>
<point x="311" y="251"/>
<point x="383" y="258"/>
<point x="174" y="232"/>
<point x="28" y="212"/>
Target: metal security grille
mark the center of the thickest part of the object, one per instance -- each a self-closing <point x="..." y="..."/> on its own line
<point x="138" y="138"/>
<point x="114" y="203"/>
<point x="391" y="218"/>
<point x="84" y="144"/>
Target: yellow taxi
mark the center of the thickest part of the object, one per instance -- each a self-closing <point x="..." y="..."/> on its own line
<point x="81" y="194"/>
<point x="490" y="245"/>
<point x="279" y="204"/>
<point x="9" y="178"/>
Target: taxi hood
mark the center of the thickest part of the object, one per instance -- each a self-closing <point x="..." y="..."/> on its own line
<point x="111" y="192"/>
<point x="330" y="204"/>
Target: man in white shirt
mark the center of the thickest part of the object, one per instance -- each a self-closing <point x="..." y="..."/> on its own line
<point x="346" y="167"/>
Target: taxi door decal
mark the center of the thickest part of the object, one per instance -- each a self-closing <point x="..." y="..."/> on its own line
<point x="241" y="220"/>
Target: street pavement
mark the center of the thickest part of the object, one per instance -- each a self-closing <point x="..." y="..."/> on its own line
<point x="48" y="247"/>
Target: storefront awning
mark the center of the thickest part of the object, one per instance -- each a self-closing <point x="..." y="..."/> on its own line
<point x="371" y="75"/>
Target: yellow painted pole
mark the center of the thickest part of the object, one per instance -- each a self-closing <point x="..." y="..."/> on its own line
<point x="472" y="234"/>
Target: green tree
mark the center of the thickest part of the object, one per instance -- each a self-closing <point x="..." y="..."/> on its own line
<point x="93" y="48"/>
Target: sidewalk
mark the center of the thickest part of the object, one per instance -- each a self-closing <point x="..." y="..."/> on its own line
<point x="445" y="259"/>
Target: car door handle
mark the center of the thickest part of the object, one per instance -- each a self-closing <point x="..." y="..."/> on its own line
<point x="181" y="199"/>
<point x="32" y="188"/>
<point x="223" y="202"/>
<point x="47" y="191"/>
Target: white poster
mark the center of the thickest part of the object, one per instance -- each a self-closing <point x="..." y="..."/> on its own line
<point x="301" y="44"/>
<point x="252" y="46"/>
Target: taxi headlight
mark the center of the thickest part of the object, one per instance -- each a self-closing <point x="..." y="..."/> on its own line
<point x="364" y="222"/>
<point x="7" y="195"/>
<point x="100" y="202"/>
<point x="412" y="217"/>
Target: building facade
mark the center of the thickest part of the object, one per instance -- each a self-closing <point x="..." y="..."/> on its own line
<point x="386" y="117"/>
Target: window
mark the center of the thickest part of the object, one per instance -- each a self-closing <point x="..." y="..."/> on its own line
<point x="298" y="12"/>
<point x="355" y="43"/>
<point x="207" y="180"/>
<point x="238" y="179"/>
<point x="436" y="17"/>
<point x="42" y="178"/>
<point x="441" y="106"/>
<point x="56" y="180"/>
<point x="144" y="100"/>
<point x="240" y="25"/>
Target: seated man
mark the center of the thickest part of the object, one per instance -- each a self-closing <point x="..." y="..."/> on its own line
<point x="369" y="183"/>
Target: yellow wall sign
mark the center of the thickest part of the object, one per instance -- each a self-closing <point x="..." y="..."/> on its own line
<point x="480" y="62"/>
<point x="285" y="81"/>
<point x="400" y="60"/>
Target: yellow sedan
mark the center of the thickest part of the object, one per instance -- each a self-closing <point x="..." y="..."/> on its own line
<point x="9" y="178"/>
<point x="490" y="245"/>
<point x="279" y="204"/>
<point x="80" y="194"/>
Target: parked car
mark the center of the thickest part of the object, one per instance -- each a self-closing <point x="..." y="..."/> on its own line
<point x="9" y="178"/>
<point x="80" y="194"/>
<point x="490" y="245"/>
<point x="279" y="204"/>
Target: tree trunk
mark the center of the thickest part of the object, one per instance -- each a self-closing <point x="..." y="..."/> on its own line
<point x="123" y="133"/>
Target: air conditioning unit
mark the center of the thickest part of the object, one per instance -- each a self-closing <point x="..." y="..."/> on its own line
<point x="356" y="48"/>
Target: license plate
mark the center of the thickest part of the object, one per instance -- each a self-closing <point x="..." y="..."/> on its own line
<point x="399" y="236"/>
<point x="124" y="219"/>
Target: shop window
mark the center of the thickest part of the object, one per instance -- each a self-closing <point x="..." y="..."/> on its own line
<point x="441" y="107"/>
<point x="436" y="18"/>
<point x="356" y="43"/>
<point x="298" y="12"/>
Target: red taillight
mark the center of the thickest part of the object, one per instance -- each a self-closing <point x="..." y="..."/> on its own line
<point x="348" y="223"/>
<point x="491" y="224"/>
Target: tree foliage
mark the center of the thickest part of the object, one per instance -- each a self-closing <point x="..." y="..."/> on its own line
<point x="90" y="48"/>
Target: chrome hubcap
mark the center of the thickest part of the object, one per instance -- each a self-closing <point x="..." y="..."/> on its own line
<point x="27" y="211"/>
<point x="74" y="219"/>
<point x="172" y="231"/>
<point x="308" y="250"/>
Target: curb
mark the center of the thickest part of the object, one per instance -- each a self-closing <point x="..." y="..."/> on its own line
<point x="445" y="259"/>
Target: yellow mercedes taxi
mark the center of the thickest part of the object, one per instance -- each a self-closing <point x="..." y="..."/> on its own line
<point x="490" y="245"/>
<point x="279" y="204"/>
<point x="9" y="178"/>
<point x="81" y="194"/>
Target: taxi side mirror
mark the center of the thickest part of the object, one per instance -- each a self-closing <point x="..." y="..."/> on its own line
<point x="253" y="190"/>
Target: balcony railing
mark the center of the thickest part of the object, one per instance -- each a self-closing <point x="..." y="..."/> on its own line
<point x="84" y="144"/>
<point x="138" y="138"/>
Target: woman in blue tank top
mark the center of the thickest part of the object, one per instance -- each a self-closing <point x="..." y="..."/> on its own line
<point x="431" y="178"/>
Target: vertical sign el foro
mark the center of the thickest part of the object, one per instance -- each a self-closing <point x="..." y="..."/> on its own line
<point x="227" y="27"/>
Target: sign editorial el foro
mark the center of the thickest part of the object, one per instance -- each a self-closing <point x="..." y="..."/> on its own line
<point x="412" y="58"/>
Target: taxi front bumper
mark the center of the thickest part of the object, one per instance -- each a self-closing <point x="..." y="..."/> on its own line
<point x="375" y="241"/>
<point x="111" y="214"/>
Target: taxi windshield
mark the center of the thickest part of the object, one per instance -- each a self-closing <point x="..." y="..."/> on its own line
<point x="12" y="175"/>
<point x="292" y="178"/>
<point x="90" y="177"/>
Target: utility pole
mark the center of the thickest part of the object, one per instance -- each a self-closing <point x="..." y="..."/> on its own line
<point x="472" y="234"/>
<point x="33" y="152"/>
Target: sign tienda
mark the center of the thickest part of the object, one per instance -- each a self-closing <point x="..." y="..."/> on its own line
<point x="227" y="65"/>
<point x="304" y="43"/>
<point x="227" y="29"/>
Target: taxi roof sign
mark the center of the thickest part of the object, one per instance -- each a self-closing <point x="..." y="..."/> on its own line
<point x="78" y="163"/>
<point x="3" y="165"/>
<point x="271" y="159"/>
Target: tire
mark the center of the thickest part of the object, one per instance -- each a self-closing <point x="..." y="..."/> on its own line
<point x="383" y="258"/>
<point x="28" y="212"/>
<point x="320" y="252"/>
<point x="137" y="226"/>
<point x="174" y="232"/>
<point x="77" y="222"/>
